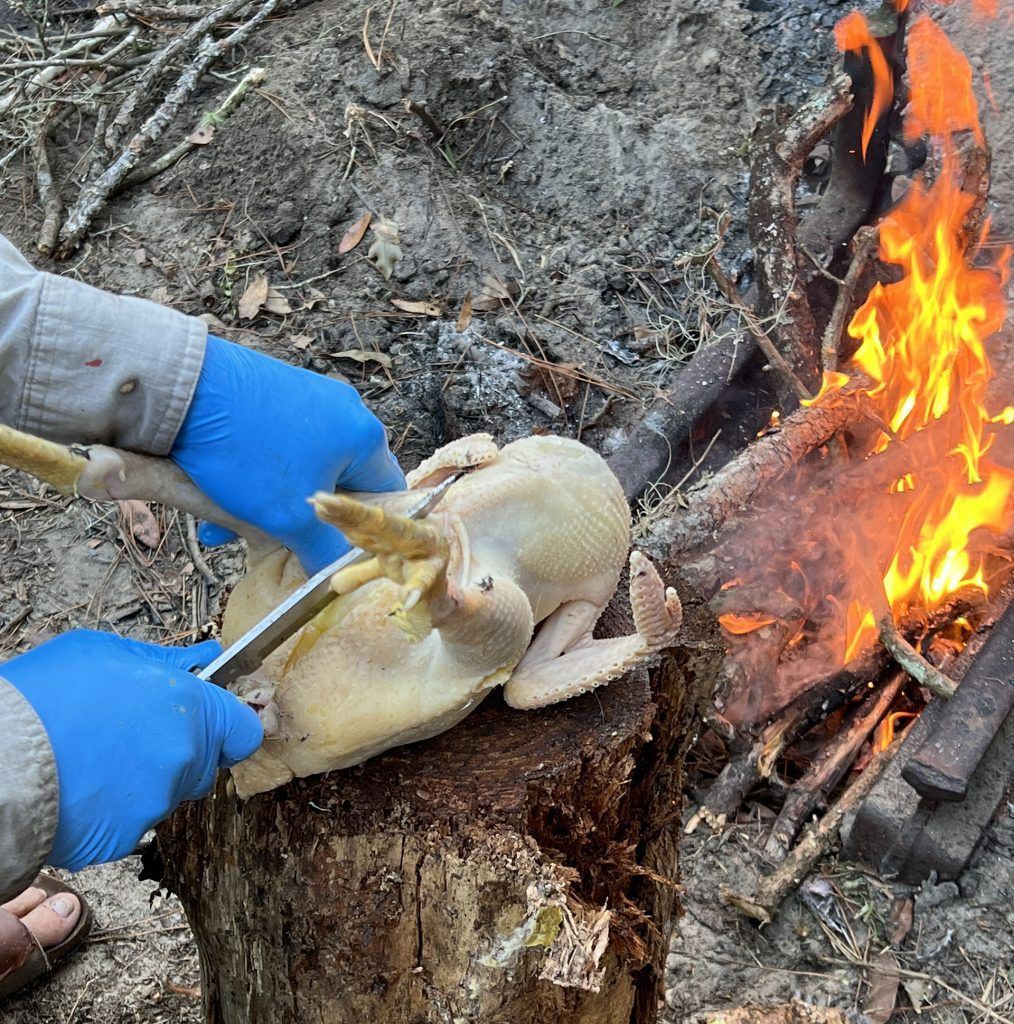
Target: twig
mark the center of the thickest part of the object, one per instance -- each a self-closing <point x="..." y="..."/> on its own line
<point x="142" y="91"/>
<point x="253" y="77"/>
<point x="95" y="195"/>
<point x="939" y="684"/>
<point x="52" y="71"/>
<point x="140" y="9"/>
<point x="825" y="773"/>
<point x="771" y="891"/>
<point x="778" y="362"/>
<point x="49" y="196"/>
<point x="383" y="35"/>
<point x="865" y="243"/>
<point x="194" y="550"/>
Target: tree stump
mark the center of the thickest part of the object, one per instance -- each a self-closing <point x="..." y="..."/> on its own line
<point x="457" y="880"/>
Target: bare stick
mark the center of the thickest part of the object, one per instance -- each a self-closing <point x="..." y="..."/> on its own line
<point x="865" y="243"/>
<point x="142" y="91"/>
<point x="763" y="904"/>
<point x="777" y="361"/>
<point x="49" y="196"/>
<point x="140" y="9"/>
<point x="826" y="772"/>
<point x="221" y="113"/>
<point x="908" y="658"/>
<point x="95" y="195"/>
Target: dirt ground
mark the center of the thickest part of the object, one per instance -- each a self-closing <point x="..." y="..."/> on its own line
<point x="583" y="140"/>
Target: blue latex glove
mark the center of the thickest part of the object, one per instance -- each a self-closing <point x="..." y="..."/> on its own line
<point x="133" y="733"/>
<point x="261" y="436"/>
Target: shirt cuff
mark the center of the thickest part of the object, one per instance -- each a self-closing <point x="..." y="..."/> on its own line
<point x="29" y="793"/>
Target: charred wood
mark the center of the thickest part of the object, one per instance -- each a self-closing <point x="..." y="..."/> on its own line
<point x="857" y="182"/>
<point x="777" y="152"/>
<point x="748" y="474"/>
<point x="813" y="789"/>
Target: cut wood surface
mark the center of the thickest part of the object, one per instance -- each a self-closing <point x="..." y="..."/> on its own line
<point x="463" y="878"/>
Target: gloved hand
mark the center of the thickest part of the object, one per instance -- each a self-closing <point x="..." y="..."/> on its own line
<point x="261" y="436"/>
<point x="133" y="733"/>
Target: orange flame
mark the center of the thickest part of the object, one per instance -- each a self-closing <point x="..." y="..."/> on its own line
<point x="853" y="33"/>
<point x="922" y="343"/>
<point x="942" y="99"/>
<point x="739" y="625"/>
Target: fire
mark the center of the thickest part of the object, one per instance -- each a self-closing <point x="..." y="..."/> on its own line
<point x="853" y="33"/>
<point x="922" y="342"/>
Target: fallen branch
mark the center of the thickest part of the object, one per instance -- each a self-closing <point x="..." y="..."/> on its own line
<point x="779" y="365"/>
<point x="824" y="774"/>
<point x="142" y="90"/>
<point x="866" y="243"/>
<point x="777" y="153"/>
<point x="95" y="195"/>
<point x="771" y="891"/>
<point x="49" y="196"/>
<point x="220" y="114"/>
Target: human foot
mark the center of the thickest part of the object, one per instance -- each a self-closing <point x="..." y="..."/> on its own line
<point x="38" y="928"/>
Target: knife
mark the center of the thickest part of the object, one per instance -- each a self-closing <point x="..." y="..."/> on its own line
<point x="250" y="650"/>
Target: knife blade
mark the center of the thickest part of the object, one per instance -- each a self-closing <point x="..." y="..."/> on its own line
<point x="250" y="650"/>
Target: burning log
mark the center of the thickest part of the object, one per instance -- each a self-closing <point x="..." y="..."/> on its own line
<point x="750" y="473"/>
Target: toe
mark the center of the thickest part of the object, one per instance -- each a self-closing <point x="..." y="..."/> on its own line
<point x="25" y="901"/>
<point x="53" y="920"/>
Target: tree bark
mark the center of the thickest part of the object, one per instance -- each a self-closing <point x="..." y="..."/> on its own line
<point x="461" y="879"/>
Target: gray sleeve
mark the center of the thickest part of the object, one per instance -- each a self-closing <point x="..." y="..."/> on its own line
<point x="79" y="364"/>
<point x="29" y="793"/>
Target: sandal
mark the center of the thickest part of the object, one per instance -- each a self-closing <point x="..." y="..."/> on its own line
<point x="22" y="959"/>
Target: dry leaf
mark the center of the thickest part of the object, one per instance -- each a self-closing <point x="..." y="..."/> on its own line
<point x="142" y="522"/>
<point x="276" y="302"/>
<point x="314" y="296"/>
<point x="919" y="992"/>
<point x="354" y="235"/>
<point x="883" y="981"/>
<point x="253" y="298"/>
<point x="465" y="316"/>
<point x="424" y="308"/>
<point x="386" y="250"/>
<point x="363" y="356"/>
<point x="213" y="322"/>
<point x="202" y="134"/>
<point x="900" y="920"/>
<point x="493" y="293"/>
<point x="301" y="341"/>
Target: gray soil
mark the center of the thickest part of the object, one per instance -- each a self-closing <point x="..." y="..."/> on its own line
<point x="583" y="140"/>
